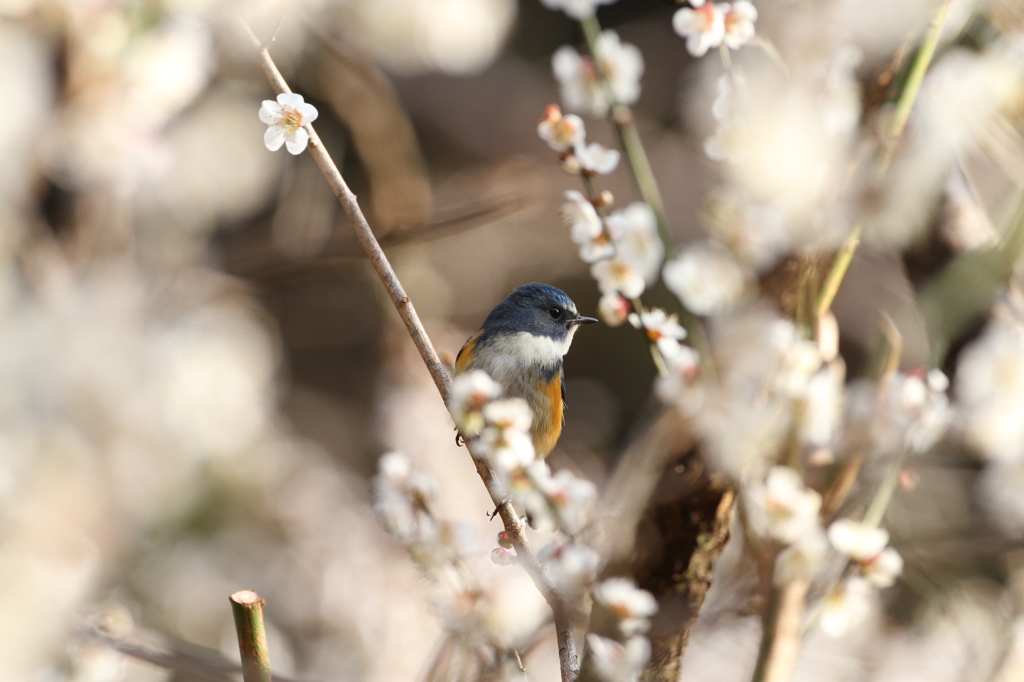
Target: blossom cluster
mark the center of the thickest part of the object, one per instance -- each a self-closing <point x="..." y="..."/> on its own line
<point x="500" y="433"/>
<point x="595" y="85"/>
<point x="621" y="658"/>
<point x="784" y="510"/>
<point x="566" y="134"/>
<point x="708" y="25"/>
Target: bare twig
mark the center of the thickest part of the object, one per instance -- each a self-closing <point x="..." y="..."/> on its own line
<point x="560" y="606"/>
<point x="189" y="662"/>
<point x="247" y="608"/>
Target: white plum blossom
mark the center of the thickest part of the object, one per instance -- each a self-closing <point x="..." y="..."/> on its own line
<point x="402" y="496"/>
<point x="579" y="77"/>
<point x="634" y="230"/>
<point x="572" y="567"/>
<point x="613" y="309"/>
<point x="702" y="24"/>
<point x="800" y="560"/>
<point x="823" y="403"/>
<point x="286" y="117"/>
<point x="856" y="540"/>
<point x="866" y="545"/>
<point x="782" y="507"/>
<point x="662" y="329"/>
<point x="922" y="407"/>
<point x="597" y="159"/>
<point x="615" y="662"/>
<point x="508" y="414"/>
<point x="471" y="391"/>
<point x="801" y="359"/>
<point x="882" y="570"/>
<point x="683" y="368"/>
<point x="561" y="133"/>
<point x="846" y="606"/>
<point x="577" y="9"/>
<point x="586" y="228"/>
<point x="506" y="439"/>
<point x="990" y="392"/>
<point x="630" y="605"/>
<point x="706" y="278"/>
<point x="616" y="276"/>
<point x="739" y="23"/>
<point x="571" y="498"/>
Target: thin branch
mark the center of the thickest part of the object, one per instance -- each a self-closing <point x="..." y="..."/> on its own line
<point x="247" y="608"/>
<point x="560" y="606"/>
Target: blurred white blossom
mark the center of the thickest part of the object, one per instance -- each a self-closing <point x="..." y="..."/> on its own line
<point x="706" y="278"/>
<point x="621" y="64"/>
<point x="856" y="540"/>
<point x="631" y="606"/>
<point x="596" y="159"/>
<point x="782" y="507"/>
<point x="662" y="329"/>
<point x="613" y="309"/>
<point x="634" y="230"/>
<point x="801" y="559"/>
<point x="616" y="276"/>
<point x="571" y="498"/>
<point x="412" y="37"/>
<point x="471" y="391"/>
<point x="702" y="24"/>
<point x="561" y="132"/>
<point x="866" y="545"/>
<point x="615" y="662"/>
<point x="586" y="229"/>
<point x="846" y="606"/>
<point x="990" y="392"/>
<point x="571" y="566"/>
<point x="577" y="9"/>
<point x="739" y="19"/>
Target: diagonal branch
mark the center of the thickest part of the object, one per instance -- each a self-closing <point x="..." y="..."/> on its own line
<point x="560" y="606"/>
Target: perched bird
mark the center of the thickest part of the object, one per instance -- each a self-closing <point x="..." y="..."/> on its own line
<point x="521" y="345"/>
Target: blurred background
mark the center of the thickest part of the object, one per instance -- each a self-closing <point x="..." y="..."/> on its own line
<point x="199" y="370"/>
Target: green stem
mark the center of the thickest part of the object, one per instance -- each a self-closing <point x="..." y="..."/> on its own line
<point x="629" y="136"/>
<point x="904" y="105"/>
<point x="911" y="88"/>
<point x="247" y="608"/>
<point x="835" y="276"/>
<point x="876" y="511"/>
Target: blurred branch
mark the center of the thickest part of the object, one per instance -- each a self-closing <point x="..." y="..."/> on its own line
<point x="893" y="133"/>
<point x="911" y="87"/>
<point x="780" y="636"/>
<point x="663" y="505"/>
<point x="190" y="663"/>
<point x="632" y="145"/>
<point x="561" y="608"/>
<point x="247" y="609"/>
<point x="383" y="135"/>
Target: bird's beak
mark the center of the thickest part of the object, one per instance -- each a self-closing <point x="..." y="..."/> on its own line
<point x="584" y="320"/>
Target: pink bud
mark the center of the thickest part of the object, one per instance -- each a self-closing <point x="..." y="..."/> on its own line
<point x="502" y="557"/>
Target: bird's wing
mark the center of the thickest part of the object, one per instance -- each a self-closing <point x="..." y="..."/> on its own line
<point x="466" y="352"/>
<point x="561" y="377"/>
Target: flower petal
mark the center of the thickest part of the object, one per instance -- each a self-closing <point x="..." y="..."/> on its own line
<point x="270" y="112"/>
<point x="297" y="141"/>
<point x="308" y="113"/>
<point x="290" y="99"/>
<point x="274" y="138"/>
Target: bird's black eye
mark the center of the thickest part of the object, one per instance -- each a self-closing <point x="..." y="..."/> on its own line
<point x="556" y="312"/>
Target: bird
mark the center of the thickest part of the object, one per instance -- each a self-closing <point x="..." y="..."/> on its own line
<point x="521" y="345"/>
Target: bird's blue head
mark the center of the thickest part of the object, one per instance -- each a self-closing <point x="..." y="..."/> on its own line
<point x="539" y="310"/>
